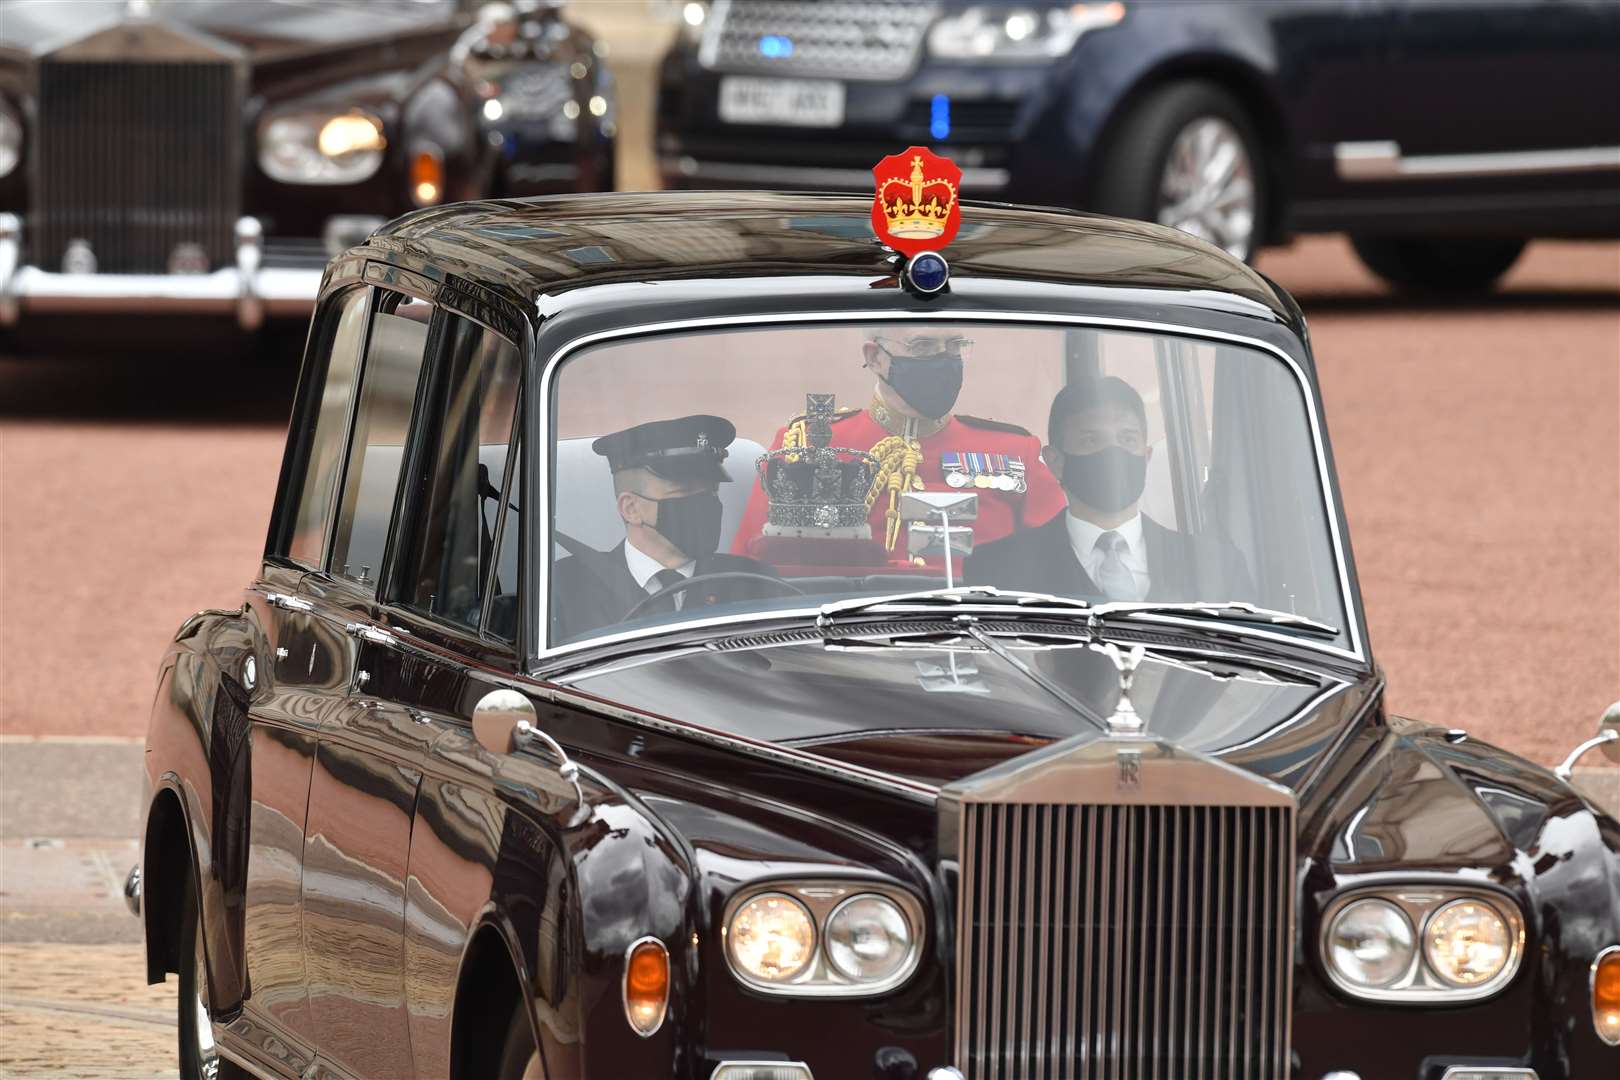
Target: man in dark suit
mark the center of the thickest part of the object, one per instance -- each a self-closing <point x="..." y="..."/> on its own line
<point x="666" y="475"/>
<point x="1104" y="547"/>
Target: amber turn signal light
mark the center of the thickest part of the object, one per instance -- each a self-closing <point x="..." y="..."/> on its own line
<point x="646" y="985"/>
<point x="1606" y="995"/>
<point x="427" y="177"/>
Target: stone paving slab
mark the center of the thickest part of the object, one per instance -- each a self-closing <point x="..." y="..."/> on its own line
<point x="84" y="1012"/>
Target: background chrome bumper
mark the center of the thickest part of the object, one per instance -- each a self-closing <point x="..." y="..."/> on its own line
<point x="249" y="289"/>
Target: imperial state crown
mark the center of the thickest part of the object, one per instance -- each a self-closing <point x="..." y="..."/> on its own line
<point x="816" y="489"/>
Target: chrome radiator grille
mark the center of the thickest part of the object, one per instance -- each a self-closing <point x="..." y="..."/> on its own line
<point x="1133" y="942"/>
<point x="136" y="159"/>
<point x="833" y="38"/>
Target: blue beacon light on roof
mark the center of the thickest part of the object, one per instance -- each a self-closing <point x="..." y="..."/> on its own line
<point x="775" y="47"/>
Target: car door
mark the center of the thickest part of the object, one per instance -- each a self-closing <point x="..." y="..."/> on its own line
<point x="305" y="680"/>
<point x="1502" y="76"/>
<point x="369" y="754"/>
<point x="451" y="627"/>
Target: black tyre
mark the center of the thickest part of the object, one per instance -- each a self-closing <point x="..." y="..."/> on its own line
<point x="199" y="1056"/>
<point x="1188" y="155"/>
<point x="1436" y="264"/>
<point x="520" y="1060"/>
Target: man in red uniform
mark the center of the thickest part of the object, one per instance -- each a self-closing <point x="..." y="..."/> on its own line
<point x="920" y="446"/>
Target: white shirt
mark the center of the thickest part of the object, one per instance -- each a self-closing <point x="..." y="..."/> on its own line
<point x="644" y="567"/>
<point x="1083" y="538"/>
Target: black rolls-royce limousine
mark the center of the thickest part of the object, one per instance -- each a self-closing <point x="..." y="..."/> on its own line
<point x="1441" y="134"/>
<point x="210" y="156"/>
<point x="695" y="641"/>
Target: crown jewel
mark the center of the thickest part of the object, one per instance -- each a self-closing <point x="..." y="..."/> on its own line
<point x="815" y="488"/>
<point x="918" y="207"/>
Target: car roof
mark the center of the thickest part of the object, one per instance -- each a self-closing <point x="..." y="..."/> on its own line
<point x="535" y="247"/>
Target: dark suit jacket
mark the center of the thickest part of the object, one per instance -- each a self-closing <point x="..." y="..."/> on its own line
<point x="595" y="589"/>
<point x="1180" y="567"/>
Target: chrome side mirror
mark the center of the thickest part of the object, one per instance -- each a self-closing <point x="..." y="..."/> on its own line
<point x="503" y="720"/>
<point x="1607" y="737"/>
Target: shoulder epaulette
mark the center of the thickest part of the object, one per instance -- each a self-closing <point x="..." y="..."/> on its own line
<point x="993" y="425"/>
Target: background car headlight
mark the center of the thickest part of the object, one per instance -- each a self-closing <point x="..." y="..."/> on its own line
<point x="772" y="937"/>
<point x="1370" y="943"/>
<point x="868" y="937"/>
<point x="321" y="147"/>
<point x="11" y="134"/>
<point x="1467" y="943"/>
<point x="1018" y="34"/>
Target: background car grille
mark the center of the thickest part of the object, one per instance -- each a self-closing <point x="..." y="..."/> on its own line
<point x="811" y="37"/>
<point x="1135" y="941"/>
<point x="136" y="159"/>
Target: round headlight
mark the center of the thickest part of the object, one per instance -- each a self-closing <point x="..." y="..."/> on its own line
<point x="1467" y="943"/>
<point x="868" y="939"/>
<point x="317" y="147"/>
<point x="10" y="138"/>
<point x="1370" y="943"/>
<point x="772" y="937"/>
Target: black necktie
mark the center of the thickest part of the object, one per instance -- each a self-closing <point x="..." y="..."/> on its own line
<point x="664" y="579"/>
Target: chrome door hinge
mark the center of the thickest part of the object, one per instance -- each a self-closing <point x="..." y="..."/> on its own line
<point x="367" y="632"/>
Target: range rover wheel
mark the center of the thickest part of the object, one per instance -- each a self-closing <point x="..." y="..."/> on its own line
<point x="199" y="1055"/>
<point x="1188" y="156"/>
<point x="520" y="1060"/>
<point x="1437" y="264"/>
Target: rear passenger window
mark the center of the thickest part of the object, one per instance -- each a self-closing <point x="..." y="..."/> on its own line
<point x="345" y="330"/>
<point x="393" y="366"/>
<point x="468" y="409"/>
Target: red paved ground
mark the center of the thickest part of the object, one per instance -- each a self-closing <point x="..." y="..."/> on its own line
<point x="1477" y="446"/>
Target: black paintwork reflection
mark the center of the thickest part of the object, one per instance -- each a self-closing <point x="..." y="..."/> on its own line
<point x="816" y="698"/>
<point x="355" y="850"/>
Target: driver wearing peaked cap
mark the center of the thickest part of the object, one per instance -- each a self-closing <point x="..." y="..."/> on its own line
<point x="666" y="478"/>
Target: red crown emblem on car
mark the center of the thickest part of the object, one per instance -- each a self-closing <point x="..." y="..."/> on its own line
<point x="915" y="209"/>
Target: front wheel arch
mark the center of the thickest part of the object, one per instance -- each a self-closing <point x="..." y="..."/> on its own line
<point x="167" y="870"/>
<point x="488" y="990"/>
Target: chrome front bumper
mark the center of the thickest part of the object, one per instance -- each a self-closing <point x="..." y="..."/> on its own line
<point x="249" y="289"/>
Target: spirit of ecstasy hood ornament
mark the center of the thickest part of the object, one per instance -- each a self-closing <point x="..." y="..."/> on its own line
<point x="1125" y="720"/>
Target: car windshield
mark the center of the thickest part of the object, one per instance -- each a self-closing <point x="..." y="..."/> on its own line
<point x="734" y="472"/>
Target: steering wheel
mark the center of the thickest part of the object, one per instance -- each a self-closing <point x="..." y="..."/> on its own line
<point x="698" y="579"/>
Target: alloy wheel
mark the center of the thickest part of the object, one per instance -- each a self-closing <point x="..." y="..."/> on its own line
<point x="1208" y="188"/>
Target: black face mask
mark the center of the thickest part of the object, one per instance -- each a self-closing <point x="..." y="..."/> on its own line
<point x="690" y="522"/>
<point x="1108" y="480"/>
<point x="928" y="384"/>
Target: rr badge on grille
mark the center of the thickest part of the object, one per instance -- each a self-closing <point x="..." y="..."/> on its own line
<point x="1130" y="769"/>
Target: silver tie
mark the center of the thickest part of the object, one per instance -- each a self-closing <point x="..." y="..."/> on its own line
<point x="1114" y="578"/>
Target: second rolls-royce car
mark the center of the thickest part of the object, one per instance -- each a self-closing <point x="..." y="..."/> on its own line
<point x="1441" y="134"/>
<point x="212" y="155"/>
<point x="696" y="641"/>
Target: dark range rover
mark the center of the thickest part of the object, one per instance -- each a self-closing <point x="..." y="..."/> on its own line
<point x="1441" y="134"/>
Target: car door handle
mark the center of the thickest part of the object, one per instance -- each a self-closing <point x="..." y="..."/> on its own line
<point x="288" y="603"/>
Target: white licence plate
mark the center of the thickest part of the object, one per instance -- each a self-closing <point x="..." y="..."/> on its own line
<point x="795" y="102"/>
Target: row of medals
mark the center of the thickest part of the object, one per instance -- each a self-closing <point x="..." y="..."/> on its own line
<point x="957" y="475"/>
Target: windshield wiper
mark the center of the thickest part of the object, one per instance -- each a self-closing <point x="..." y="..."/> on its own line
<point x="959" y="597"/>
<point x="1239" y="611"/>
<point x="965" y="596"/>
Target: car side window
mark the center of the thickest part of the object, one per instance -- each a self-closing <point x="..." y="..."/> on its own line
<point x="323" y="456"/>
<point x="388" y="380"/>
<point x="469" y="404"/>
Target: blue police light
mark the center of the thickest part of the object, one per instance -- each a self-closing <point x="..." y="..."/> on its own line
<point x="927" y="273"/>
<point x="939" y="116"/>
<point x="775" y="47"/>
